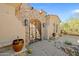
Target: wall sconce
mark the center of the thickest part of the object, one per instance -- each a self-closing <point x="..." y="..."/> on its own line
<point x="43" y="24"/>
<point x="25" y="22"/>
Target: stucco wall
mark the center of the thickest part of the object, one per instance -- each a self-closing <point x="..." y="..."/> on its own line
<point x="53" y="23"/>
<point x="10" y="26"/>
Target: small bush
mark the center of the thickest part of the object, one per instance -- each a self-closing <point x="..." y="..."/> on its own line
<point x="29" y="51"/>
<point x="68" y="43"/>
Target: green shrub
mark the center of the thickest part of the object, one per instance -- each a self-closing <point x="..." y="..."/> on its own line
<point x="29" y="51"/>
<point x="68" y="43"/>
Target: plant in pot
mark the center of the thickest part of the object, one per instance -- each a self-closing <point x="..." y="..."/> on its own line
<point x="18" y="44"/>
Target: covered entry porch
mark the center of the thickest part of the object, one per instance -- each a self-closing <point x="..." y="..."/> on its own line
<point x="35" y="31"/>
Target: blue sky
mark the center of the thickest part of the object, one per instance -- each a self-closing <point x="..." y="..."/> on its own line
<point x="63" y="10"/>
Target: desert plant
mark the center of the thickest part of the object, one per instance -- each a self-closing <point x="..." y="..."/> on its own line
<point x="29" y="51"/>
<point x="76" y="53"/>
<point x="68" y="43"/>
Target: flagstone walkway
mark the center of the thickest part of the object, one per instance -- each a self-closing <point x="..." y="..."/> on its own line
<point x="45" y="48"/>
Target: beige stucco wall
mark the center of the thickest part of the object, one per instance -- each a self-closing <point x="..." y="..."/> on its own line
<point x="10" y="26"/>
<point x="30" y="14"/>
<point x="53" y="23"/>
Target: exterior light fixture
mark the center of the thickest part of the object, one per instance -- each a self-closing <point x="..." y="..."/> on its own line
<point x="25" y="22"/>
<point x="43" y="24"/>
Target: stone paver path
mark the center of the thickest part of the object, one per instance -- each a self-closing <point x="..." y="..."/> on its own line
<point x="45" y="48"/>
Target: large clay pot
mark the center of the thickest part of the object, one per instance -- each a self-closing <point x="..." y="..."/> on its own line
<point x="18" y="45"/>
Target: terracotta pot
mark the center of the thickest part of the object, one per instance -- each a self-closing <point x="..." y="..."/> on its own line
<point x="18" y="45"/>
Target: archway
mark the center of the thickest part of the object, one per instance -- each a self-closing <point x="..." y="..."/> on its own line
<point x="35" y="30"/>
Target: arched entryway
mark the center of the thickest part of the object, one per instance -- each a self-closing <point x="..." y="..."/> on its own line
<point x="35" y="30"/>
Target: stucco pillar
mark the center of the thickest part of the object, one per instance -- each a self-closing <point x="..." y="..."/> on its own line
<point x="27" y="27"/>
<point x="46" y="32"/>
<point x="41" y="31"/>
